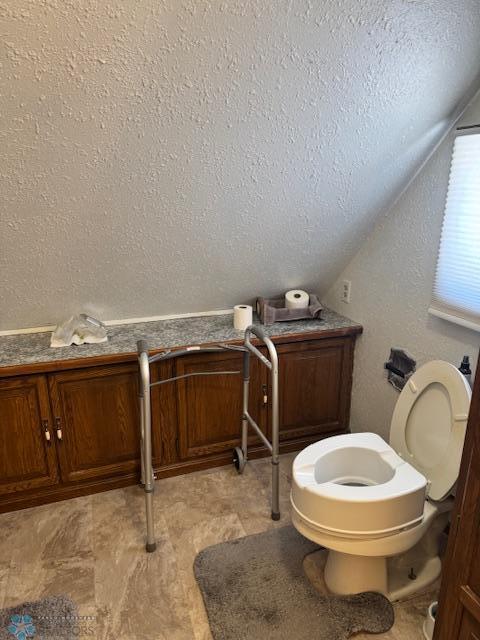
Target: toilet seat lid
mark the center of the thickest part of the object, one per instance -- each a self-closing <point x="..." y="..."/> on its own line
<point x="429" y="423"/>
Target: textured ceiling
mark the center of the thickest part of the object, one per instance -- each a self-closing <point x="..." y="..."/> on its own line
<point x="173" y="156"/>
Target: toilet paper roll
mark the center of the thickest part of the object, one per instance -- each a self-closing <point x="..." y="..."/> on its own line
<point x="242" y="316"/>
<point x="297" y="299"/>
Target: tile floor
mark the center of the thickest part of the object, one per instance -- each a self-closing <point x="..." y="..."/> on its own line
<point x="92" y="549"/>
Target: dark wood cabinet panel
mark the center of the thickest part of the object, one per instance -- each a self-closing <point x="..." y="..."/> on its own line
<point x="315" y="384"/>
<point x="196" y="422"/>
<point x="164" y="415"/>
<point x="27" y="458"/>
<point x="98" y="412"/>
<point x="469" y="629"/>
<point x="210" y="407"/>
<point x="474" y="578"/>
<point x="459" y="602"/>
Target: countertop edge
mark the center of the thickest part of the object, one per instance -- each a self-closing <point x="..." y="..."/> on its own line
<point x="33" y="368"/>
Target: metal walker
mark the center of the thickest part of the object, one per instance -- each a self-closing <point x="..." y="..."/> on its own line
<point x="240" y="454"/>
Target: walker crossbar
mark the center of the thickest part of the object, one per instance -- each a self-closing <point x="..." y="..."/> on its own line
<point x="240" y="453"/>
<point x="193" y="375"/>
<point x="258" y="431"/>
<point x="168" y="355"/>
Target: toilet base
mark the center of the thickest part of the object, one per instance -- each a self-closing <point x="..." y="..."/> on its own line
<point x="347" y="574"/>
<point x="402" y="583"/>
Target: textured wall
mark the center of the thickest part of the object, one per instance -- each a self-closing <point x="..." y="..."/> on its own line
<point x="165" y="156"/>
<point x="392" y="279"/>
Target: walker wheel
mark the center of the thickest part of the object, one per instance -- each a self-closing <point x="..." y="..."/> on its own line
<point x="239" y="459"/>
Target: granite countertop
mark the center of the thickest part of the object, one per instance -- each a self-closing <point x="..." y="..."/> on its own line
<point x="34" y="348"/>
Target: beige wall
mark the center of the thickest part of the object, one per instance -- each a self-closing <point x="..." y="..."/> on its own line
<point x="173" y="156"/>
<point x="392" y="277"/>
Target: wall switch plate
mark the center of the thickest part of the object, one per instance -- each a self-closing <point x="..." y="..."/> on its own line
<point x="346" y="290"/>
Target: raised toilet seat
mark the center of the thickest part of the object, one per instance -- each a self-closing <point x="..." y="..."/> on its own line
<point x="366" y="500"/>
<point x="356" y="485"/>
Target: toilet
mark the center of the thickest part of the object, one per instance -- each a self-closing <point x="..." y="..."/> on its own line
<point x="380" y="508"/>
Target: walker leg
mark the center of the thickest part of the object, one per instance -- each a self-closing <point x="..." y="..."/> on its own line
<point x="275" y="440"/>
<point x="246" y="393"/>
<point x="245" y="438"/>
<point x="149" y="485"/>
<point x="240" y="454"/>
<point x="151" y="545"/>
<point x="275" y="490"/>
<point x="142" y="442"/>
<point x="147" y="449"/>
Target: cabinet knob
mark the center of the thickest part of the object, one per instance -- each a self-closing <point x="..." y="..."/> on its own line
<point x="58" y="428"/>
<point x="46" y="431"/>
<point x="265" y="394"/>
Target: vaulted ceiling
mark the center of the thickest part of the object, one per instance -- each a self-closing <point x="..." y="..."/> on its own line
<point x="169" y="156"/>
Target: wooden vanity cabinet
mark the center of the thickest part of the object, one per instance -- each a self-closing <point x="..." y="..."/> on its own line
<point x="91" y="416"/>
<point x="27" y="450"/>
<point x="315" y="380"/>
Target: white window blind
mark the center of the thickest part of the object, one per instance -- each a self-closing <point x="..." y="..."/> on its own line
<point x="456" y="292"/>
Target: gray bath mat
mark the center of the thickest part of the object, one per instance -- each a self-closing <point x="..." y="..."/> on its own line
<point x="52" y="617"/>
<point x="255" y="587"/>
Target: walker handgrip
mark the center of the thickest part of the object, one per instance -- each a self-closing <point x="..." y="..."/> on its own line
<point x="258" y="353"/>
<point x="142" y="346"/>
<point x="260" y="333"/>
<point x="266" y="340"/>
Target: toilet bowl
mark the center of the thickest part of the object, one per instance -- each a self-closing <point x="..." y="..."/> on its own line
<point x="379" y="507"/>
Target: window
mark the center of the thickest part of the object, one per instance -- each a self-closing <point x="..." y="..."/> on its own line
<point x="456" y="292"/>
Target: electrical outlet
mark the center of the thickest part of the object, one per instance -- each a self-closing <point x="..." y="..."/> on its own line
<point x="346" y="290"/>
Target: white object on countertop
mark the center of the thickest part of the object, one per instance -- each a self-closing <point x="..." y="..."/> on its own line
<point x="297" y="299"/>
<point x="242" y="316"/>
<point x="78" y="330"/>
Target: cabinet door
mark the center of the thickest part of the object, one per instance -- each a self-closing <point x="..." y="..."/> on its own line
<point x="210" y="407"/>
<point x="315" y="380"/>
<point x="459" y="601"/>
<point x="27" y="458"/>
<point x="97" y="410"/>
